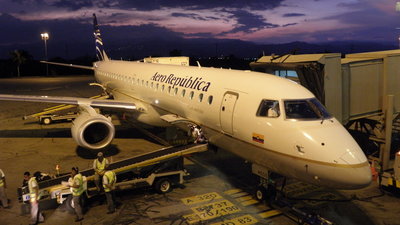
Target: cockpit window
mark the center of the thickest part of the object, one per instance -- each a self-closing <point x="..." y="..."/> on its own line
<point x="308" y="109"/>
<point x="268" y="108"/>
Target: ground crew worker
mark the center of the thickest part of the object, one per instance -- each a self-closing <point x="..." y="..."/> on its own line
<point x="3" y="186"/>
<point x="36" y="215"/>
<point x="77" y="190"/>
<point x="99" y="165"/>
<point x="109" y="180"/>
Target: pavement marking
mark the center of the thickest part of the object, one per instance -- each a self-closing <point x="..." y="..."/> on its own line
<point x="269" y="213"/>
<point x="201" y="198"/>
<point x="250" y="202"/>
<point x="244" y="198"/>
<point x="246" y="219"/>
<point x="240" y="194"/>
<point x="232" y="191"/>
<point x="211" y="211"/>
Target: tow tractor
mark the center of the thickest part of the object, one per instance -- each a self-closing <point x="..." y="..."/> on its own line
<point x="161" y="169"/>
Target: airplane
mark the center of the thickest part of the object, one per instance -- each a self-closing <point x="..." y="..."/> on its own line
<point x="274" y="123"/>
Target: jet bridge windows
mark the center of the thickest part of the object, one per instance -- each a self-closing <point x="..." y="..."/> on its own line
<point x="268" y="108"/>
<point x="305" y="109"/>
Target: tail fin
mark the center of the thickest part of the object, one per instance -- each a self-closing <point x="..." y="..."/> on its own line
<point x="100" y="53"/>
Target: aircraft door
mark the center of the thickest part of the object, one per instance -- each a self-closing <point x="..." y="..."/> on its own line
<point x="226" y="111"/>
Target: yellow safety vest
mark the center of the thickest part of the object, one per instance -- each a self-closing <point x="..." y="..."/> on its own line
<point x="101" y="165"/>
<point x="2" y="178"/>
<point x="112" y="178"/>
<point x="79" y="190"/>
<point x="32" y="193"/>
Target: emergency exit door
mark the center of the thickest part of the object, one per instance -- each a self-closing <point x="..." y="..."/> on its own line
<point x="226" y="111"/>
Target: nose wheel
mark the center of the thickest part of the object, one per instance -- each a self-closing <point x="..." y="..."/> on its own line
<point x="261" y="193"/>
<point x="267" y="188"/>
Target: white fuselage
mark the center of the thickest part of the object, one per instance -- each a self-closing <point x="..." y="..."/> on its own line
<point x="225" y="103"/>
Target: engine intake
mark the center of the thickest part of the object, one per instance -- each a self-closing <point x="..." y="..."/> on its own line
<point x="92" y="130"/>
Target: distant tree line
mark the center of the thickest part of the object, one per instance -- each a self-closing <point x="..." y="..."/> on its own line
<point x="21" y="64"/>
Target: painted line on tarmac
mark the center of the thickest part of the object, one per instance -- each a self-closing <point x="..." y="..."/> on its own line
<point x="211" y="211"/>
<point x="207" y="197"/>
<point x="270" y="213"/>
<point x="242" y="220"/>
<point x="233" y="191"/>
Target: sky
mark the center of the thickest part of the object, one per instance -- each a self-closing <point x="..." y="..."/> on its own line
<point x="259" y="21"/>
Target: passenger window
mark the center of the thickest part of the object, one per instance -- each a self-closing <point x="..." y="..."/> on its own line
<point x="191" y="95"/>
<point x="176" y="91"/>
<point x="268" y="108"/>
<point x="183" y="92"/>
<point x="210" y="99"/>
<point x="201" y="97"/>
<point x="162" y="87"/>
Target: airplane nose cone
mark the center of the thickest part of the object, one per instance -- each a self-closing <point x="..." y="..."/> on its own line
<point x="359" y="177"/>
<point x="358" y="173"/>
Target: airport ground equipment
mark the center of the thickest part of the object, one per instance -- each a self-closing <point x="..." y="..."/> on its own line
<point x="48" y="115"/>
<point x="51" y="118"/>
<point x="267" y="191"/>
<point x="390" y="179"/>
<point x="160" y="169"/>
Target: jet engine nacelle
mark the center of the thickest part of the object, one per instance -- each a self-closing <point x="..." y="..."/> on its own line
<point x="92" y="130"/>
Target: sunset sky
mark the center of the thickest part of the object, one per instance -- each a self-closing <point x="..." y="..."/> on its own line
<point x="260" y="21"/>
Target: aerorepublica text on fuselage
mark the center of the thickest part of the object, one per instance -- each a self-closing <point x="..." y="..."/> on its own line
<point x="188" y="82"/>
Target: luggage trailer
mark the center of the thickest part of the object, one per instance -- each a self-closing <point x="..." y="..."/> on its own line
<point x="161" y="169"/>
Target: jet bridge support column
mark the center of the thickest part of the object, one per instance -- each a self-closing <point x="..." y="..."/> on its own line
<point x="385" y="149"/>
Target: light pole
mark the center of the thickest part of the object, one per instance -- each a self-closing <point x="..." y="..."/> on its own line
<point x="398" y="10"/>
<point x="45" y="37"/>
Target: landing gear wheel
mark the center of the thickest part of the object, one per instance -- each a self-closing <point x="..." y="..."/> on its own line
<point x="261" y="193"/>
<point x="163" y="185"/>
<point x="46" y="121"/>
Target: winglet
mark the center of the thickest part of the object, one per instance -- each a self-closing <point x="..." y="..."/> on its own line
<point x="100" y="53"/>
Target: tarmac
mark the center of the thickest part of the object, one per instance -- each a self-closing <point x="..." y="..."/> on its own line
<point x="219" y="189"/>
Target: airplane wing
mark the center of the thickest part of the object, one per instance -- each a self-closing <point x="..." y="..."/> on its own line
<point x="97" y="103"/>
<point x="69" y="65"/>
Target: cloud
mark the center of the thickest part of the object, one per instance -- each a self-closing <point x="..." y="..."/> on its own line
<point x="289" y="24"/>
<point x="200" y="5"/>
<point x="293" y="14"/>
<point x="248" y="22"/>
<point x="189" y="15"/>
<point x="73" y="36"/>
<point x="147" y="5"/>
